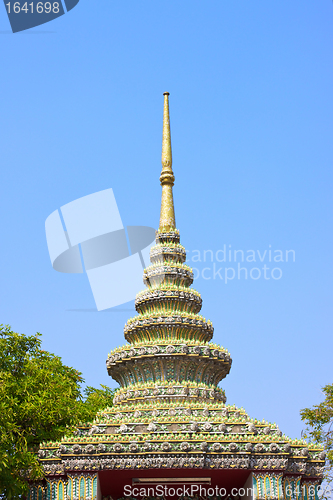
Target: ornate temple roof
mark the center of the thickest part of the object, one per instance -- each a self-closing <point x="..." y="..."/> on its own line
<point x="169" y="411"/>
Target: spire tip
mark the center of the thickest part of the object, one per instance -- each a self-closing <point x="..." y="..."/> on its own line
<point x="167" y="219"/>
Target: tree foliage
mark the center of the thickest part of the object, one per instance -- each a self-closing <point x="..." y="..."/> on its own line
<point x="95" y="400"/>
<point x="40" y="400"/>
<point x="319" y="422"/>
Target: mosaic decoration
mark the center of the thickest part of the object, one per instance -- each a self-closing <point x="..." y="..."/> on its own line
<point x="169" y="412"/>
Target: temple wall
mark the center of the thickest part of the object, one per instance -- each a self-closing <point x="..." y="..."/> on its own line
<point x="259" y="486"/>
<point x="76" y="487"/>
<point x="267" y="486"/>
<point x="297" y="489"/>
<point x="248" y="487"/>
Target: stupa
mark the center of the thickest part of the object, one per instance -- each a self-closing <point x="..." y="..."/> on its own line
<point x="170" y="432"/>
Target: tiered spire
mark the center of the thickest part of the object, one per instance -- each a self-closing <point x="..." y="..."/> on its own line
<point x="169" y="412"/>
<point x="169" y="358"/>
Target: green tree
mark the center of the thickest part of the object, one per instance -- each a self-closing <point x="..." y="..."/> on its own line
<point x="319" y="422"/>
<point x="40" y="400"/>
<point x="94" y="401"/>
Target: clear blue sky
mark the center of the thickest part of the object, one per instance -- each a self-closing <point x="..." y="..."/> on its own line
<point x="251" y="119"/>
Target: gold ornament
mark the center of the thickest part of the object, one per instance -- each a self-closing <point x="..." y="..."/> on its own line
<point x="167" y="218"/>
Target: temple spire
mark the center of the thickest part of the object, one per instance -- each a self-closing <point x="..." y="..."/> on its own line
<point x="167" y="218"/>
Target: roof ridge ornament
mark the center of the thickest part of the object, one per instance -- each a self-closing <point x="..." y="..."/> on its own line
<point x="167" y="178"/>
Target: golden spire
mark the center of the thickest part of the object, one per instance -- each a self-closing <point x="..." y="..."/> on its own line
<point x="167" y="219"/>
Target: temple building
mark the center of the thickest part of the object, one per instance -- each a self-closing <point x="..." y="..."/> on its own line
<point x="170" y="432"/>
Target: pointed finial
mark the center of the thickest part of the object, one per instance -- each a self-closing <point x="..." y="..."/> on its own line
<point x="166" y="143"/>
<point x="167" y="179"/>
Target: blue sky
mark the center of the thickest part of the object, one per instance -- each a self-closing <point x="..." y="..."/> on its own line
<point x="251" y="119"/>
